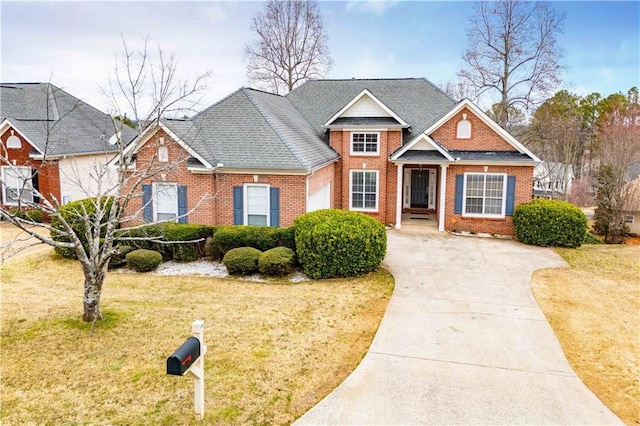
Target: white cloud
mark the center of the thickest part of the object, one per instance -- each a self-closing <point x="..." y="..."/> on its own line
<point x="377" y="7"/>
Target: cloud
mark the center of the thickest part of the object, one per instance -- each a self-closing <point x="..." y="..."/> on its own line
<point x="377" y="7"/>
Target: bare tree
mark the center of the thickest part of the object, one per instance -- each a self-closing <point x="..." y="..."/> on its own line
<point x="513" y="52"/>
<point x="291" y="45"/>
<point x="146" y="85"/>
<point x="618" y="149"/>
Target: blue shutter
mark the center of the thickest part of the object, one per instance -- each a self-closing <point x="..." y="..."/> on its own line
<point x="457" y="208"/>
<point x="182" y="204"/>
<point x="511" y="195"/>
<point x="274" y="203"/>
<point x="237" y="205"/>
<point x="147" y="207"/>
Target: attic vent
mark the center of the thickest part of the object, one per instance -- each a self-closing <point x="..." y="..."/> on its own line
<point x="13" y="141"/>
<point x="114" y="139"/>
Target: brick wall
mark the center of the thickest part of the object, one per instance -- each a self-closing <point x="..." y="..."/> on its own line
<point x="48" y="175"/>
<point x="387" y="172"/>
<point x="483" y="138"/>
<point x="504" y="226"/>
<point x="213" y="193"/>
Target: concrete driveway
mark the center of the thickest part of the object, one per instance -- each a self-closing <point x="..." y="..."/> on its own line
<point x="463" y="341"/>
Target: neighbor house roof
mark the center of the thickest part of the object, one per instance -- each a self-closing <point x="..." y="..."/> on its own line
<point x="55" y="122"/>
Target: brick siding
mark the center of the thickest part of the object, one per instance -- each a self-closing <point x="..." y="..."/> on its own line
<point x="483" y="138"/>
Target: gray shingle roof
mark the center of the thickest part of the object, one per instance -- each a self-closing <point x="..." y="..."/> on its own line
<point x="55" y="121"/>
<point x="422" y="155"/>
<point x="500" y="156"/>
<point x="416" y="100"/>
<point x="256" y="130"/>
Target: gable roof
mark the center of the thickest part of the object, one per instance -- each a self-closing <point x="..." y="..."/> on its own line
<point x="55" y="122"/>
<point x="416" y="101"/>
<point x="466" y="103"/>
<point x="376" y="101"/>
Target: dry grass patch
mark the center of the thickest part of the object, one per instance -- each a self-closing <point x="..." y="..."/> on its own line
<point x="274" y="349"/>
<point x="594" y="309"/>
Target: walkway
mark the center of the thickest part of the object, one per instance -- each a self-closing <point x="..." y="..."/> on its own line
<point x="463" y="341"/>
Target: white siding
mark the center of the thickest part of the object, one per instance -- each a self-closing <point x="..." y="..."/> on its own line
<point x="365" y="107"/>
<point x="79" y="177"/>
<point x="321" y="199"/>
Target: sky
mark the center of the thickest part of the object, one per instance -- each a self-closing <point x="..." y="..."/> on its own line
<point x="75" y="44"/>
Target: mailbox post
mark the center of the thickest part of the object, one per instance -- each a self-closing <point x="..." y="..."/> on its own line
<point x="189" y="358"/>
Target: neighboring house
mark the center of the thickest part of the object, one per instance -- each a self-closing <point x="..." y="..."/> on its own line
<point x="552" y="180"/>
<point x="632" y="215"/>
<point x="45" y="129"/>
<point x="385" y="147"/>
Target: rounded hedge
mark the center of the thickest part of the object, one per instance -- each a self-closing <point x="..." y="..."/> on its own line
<point x="550" y="223"/>
<point x="337" y="243"/>
<point x="119" y="259"/>
<point x="278" y="262"/>
<point x="242" y="260"/>
<point x="143" y="260"/>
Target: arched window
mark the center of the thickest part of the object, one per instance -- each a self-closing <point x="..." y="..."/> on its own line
<point x="464" y="128"/>
<point x="13" y="141"/>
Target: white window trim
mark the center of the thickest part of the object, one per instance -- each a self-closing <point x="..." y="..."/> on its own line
<point x="155" y="200"/>
<point x="629" y="218"/>
<point x="484" y="215"/>
<point x="375" y="209"/>
<point x="4" y="191"/>
<point x="364" y="153"/>
<point x="458" y="136"/>
<point x="245" y="204"/>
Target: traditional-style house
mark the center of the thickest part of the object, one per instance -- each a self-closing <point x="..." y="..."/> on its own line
<point x="396" y="149"/>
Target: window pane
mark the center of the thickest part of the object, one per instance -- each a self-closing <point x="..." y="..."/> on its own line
<point x="166" y="202"/>
<point x="17" y="184"/>
<point x="257" y="220"/>
<point x="473" y="205"/>
<point x="356" y="200"/>
<point x="494" y="186"/>
<point x="493" y="206"/>
<point x="370" y="201"/>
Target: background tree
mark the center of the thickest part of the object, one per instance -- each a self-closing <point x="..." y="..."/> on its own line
<point x="618" y="152"/>
<point x="513" y="52"/>
<point x="291" y="45"/>
<point x="146" y="85"/>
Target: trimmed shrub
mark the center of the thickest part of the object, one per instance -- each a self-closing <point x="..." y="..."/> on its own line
<point x="164" y="234"/>
<point x="259" y="237"/>
<point x="142" y="260"/>
<point x="74" y="213"/>
<point x="119" y="259"/>
<point x="590" y="238"/>
<point x="242" y="260"/>
<point x="35" y="215"/>
<point x="550" y="223"/>
<point x="278" y="262"/>
<point x="286" y="237"/>
<point x="337" y="243"/>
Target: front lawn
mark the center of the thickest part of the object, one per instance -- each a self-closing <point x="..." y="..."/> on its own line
<point x="594" y="309"/>
<point x="274" y="349"/>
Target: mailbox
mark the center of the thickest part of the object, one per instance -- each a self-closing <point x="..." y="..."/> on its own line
<point x="183" y="357"/>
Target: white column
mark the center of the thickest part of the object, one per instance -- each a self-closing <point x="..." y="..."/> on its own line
<point x="399" y="191"/>
<point x="443" y="196"/>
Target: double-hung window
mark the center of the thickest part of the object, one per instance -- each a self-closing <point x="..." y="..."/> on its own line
<point x="257" y="204"/>
<point x="364" y="190"/>
<point x="365" y="143"/>
<point x="484" y="194"/>
<point x="17" y="185"/>
<point x="166" y="201"/>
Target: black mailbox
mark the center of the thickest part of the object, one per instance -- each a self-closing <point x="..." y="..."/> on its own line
<point x="183" y="357"/>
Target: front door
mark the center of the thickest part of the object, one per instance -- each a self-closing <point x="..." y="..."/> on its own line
<point x="419" y="189"/>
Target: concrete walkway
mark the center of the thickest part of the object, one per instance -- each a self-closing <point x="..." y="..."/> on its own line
<point x="463" y="341"/>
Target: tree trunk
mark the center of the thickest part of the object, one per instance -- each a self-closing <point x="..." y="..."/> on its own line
<point x="94" y="278"/>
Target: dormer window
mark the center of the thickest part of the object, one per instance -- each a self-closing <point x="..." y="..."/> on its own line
<point x="463" y="130"/>
<point x="365" y="143"/>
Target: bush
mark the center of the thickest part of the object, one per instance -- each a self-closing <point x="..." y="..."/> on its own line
<point x="550" y="223"/>
<point x="74" y="213"/>
<point x="119" y="259"/>
<point x="259" y="237"/>
<point x="337" y="243"/>
<point x="242" y="260"/>
<point x="34" y="215"/>
<point x="277" y="262"/>
<point x="158" y="237"/>
<point x="590" y="238"/>
<point x="142" y="260"/>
